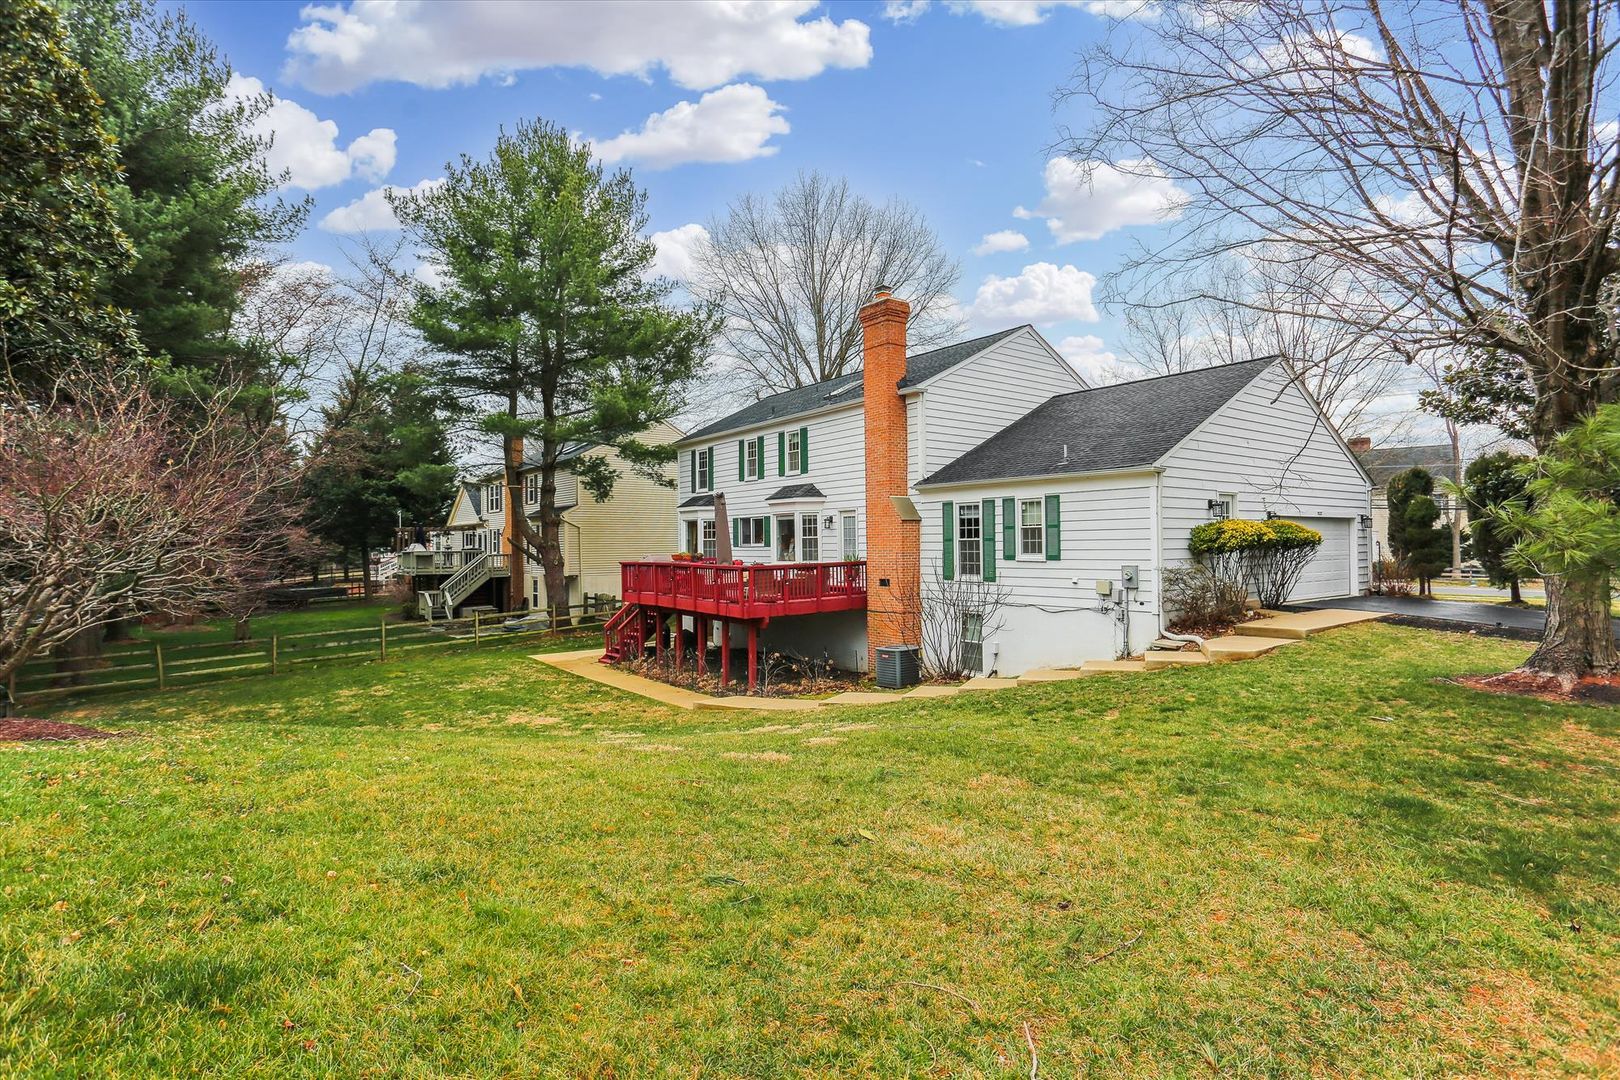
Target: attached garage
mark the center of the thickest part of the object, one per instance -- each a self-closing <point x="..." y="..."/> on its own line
<point x="1332" y="572"/>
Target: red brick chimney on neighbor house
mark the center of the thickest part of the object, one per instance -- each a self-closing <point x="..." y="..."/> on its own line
<point x="893" y="545"/>
<point x="1360" y="444"/>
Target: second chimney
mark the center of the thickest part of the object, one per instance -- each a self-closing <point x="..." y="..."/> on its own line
<point x="893" y="546"/>
<point x="1359" y="445"/>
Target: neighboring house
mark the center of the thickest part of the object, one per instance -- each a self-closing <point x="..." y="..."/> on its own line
<point x="467" y="564"/>
<point x="1384" y="463"/>
<point x="988" y="461"/>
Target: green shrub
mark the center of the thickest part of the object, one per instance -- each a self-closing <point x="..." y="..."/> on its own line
<point x="1268" y="556"/>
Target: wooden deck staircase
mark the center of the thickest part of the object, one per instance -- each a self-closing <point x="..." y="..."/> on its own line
<point x="626" y="634"/>
<point x="441" y="602"/>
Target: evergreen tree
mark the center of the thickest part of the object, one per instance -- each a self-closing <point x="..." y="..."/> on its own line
<point x="58" y="169"/>
<point x="552" y="324"/>
<point x="1398" y="495"/>
<point x="1491" y="481"/>
<point x="382" y="456"/>
<point x="196" y="196"/>
<point x="1428" y="544"/>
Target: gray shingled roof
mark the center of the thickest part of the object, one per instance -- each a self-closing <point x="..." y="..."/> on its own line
<point x="1384" y="463"/>
<point x="795" y="491"/>
<point x="1108" y="427"/>
<point x="846" y="388"/>
<point x="696" y="500"/>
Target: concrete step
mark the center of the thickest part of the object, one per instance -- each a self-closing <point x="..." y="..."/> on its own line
<point x="1046" y="675"/>
<point x="1157" y="661"/>
<point x="985" y="682"/>
<point x="1165" y="644"/>
<point x="1092" y="667"/>
<point x="1223" y="650"/>
<point x="1302" y="624"/>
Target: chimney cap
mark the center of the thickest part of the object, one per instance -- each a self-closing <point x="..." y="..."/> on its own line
<point x="882" y="292"/>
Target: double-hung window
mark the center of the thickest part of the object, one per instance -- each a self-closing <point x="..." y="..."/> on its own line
<point x="494" y="495"/>
<point x="809" y="538"/>
<point x="969" y="537"/>
<point x="972" y="642"/>
<point x="795" y="453"/>
<point x="1032" y="528"/>
<point x="531" y="488"/>
<point x="708" y="538"/>
<point x="701" y="481"/>
<point x="751" y="459"/>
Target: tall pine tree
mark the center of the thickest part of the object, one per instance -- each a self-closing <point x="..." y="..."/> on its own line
<point x="553" y="326"/>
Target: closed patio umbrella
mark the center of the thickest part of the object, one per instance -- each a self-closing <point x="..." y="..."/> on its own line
<point x="722" y="530"/>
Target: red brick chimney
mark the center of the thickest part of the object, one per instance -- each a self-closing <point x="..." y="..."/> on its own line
<point x="1360" y="444"/>
<point x="893" y="546"/>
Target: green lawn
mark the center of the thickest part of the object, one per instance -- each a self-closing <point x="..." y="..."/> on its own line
<point x="1324" y="861"/>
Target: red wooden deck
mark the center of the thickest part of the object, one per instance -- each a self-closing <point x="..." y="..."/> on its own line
<point x="765" y="591"/>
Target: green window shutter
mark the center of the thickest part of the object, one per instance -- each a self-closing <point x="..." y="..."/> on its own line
<point x="804" y="449"/>
<point x="736" y="531"/>
<point x="759" y="456"/>
<point x="987" y="537"/>
<point x="781" y="453"/>
<point x="947" y="527"/>
<point x="711" y="468"/>
<point x="1009" y="529"/>
<point x="693" y="469"/>
<point x="766" y="531"/>
<point x="740" y="474"/>
<point x="1054" y="529"/>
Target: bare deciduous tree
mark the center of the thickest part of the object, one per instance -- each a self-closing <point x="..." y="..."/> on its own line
<point x="1449" y="165"/>
<point x="955" y="610"/>
<point x="1232" y="312"/>
<point x="119" y="501"/>
<point x="790" y="271"/>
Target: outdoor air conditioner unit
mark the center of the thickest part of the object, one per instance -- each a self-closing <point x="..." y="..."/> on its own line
<point x="898" y="667"/>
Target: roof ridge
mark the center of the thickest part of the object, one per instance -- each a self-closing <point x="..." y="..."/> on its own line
<point x="1166" y="375"/>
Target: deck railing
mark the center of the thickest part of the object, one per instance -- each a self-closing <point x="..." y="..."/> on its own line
<point x="436" y="562"/>
<point x="746" y="591"/>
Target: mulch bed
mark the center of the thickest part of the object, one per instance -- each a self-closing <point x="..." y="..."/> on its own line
<point x="1598" y="689"/>
<point x="24" y="729"/>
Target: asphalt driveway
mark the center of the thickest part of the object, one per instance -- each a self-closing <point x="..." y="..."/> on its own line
<point x="1497" y="619"/>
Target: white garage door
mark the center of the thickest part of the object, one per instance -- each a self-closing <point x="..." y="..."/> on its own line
<point x="1327" y="575"/>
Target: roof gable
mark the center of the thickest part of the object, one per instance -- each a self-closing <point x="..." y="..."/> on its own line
<point x="835" y="393"/>
<point x="1106" y="428"/>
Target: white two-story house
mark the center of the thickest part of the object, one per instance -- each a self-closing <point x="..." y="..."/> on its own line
<point x="990" y="462"/>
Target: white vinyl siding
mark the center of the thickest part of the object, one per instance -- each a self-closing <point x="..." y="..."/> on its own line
<point x="972" y="401"/>
<point x="1269" y="451"/>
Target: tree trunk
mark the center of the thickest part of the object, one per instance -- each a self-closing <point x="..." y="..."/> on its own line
<point x="517" y="591"/>
<point x="1579" y="639"/>
<point x="1514" y="596"/>
<point x="77" y="655"/>
<point x="365" y="571"/>
<point x="244" y="628"/>
<point x="1456" y="504"/>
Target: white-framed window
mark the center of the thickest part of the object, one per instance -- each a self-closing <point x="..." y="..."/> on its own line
<point x="809" y="538"/>
<point x="969" y="540"/>
<point x="701" y="482"/>
<point x="1223" y="506"/>
<point x="531" y="488"/>
<point x="494" y="545"/>
<point x="1032" y="528"/>
<point x="972" y="641"/>
<point x="708" y="538"/>
<point x="493" y="498"/>
<point x="470" y="539"/>
<point x="794" y="453"/>
<point x="852" y="542"/>
<point x="751" y="530"/>
<point x="751" y="459"/>
<point x="534" y="591"/>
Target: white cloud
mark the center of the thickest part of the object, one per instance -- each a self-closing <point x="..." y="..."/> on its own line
<point x="732" y="123"/>
<point x="1087" y="354"/>
<point x="1088" y="199"/>
<point x="371" y="211"/>
<point x="1031" y="12"/>
<point x="904" y="11"/>
<point x="1005" y="240"/>
<point x="306" y="146"/>
<point x="342" y="47"/>
<point x="1040" y="293"/>
<point x="677" y="249"/>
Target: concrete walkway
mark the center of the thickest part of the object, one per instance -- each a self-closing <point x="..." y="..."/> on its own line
<point x="1258" y="638"/>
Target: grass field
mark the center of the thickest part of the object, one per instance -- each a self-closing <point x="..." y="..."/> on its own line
<point x="340" y="615"/>
<point x="1327" y="861"/>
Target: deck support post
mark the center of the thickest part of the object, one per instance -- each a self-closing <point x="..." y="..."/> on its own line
<point x="658" y="635"/>
<point x="680" y="642"/>
<point x="725" y="652"/>
<point x="753" y="655"/>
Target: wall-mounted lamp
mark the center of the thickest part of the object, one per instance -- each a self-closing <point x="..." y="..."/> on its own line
<point x="829" y="522"/>
<point x="1366" y="521"/>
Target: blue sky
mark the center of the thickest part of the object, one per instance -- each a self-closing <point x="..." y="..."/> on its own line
<point x="948" y="106"/>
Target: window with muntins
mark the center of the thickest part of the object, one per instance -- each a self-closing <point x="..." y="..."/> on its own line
<point x="708" y="538"/>
<point x="531" y="488"/>
<point x="969" y="550"/>
<point x="972" y="641"/>
<point x="809" y="538"/>
<point x="701" y="483"/>
<point x="852" y="547"/>
<point x="1032" y="528"/>
<point x="495" y="501"/>
<point x="751" y="458"/>
<point x="794" y="453"/>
